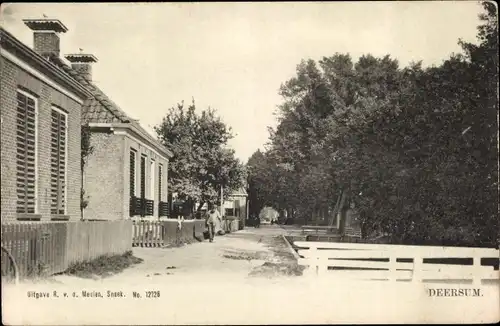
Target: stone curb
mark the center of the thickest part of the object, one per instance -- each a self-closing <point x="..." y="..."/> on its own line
<point x="292" y="251"/>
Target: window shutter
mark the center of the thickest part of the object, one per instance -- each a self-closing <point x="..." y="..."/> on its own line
<point x="133" y="202"/>
<point x="152" y="186"/>
<point x="160" y="176"/>
<point x="143" y="187"/>
<point x="58" y="163"/>
<point x="143" y="177"/>
<point x="26" y="152"/>
<point x="132" y="173"/>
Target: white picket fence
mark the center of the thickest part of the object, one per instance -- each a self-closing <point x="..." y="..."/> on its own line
<point x="352" y="258"/>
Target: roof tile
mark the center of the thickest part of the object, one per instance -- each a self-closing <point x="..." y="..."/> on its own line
<point x="100" y="108"/>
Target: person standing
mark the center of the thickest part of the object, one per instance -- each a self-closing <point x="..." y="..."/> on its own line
<point x="257" y="221"/>
<point x="212" y="216"/>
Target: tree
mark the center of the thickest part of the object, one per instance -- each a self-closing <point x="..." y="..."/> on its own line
<point x="256" y="169"/>
<point x="322" y="106"/>
<point x="201" y="164"/>
<point x="415" y="149"/>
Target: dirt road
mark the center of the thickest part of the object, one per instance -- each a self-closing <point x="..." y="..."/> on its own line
<point x="247" y="277"/>
<point x="236" y="256"/>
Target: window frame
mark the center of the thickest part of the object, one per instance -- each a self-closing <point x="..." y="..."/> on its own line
<point x="160" y="182"/>
<point x="133" y="150"/>
<point x="141" y="175"/>
<point x="65" y="203"/>
<point x="29" y="95"/>
<point x="152" y="175"/>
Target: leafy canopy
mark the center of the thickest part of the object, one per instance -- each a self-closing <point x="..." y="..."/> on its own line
<point x="201" y="164"/>
<point x="414" y="148"/>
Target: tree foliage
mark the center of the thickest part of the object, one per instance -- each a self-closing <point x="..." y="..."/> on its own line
<point x="86" y="149"/>
<point x="201" y="164"/>
<point x="414" y="148"/>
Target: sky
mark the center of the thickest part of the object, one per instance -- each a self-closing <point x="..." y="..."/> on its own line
<point x="233" y="57"/>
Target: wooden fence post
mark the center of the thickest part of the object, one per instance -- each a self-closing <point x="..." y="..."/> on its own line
<point x="322" y="264"/>
<point x="134" y="233"/>
<point x="313" y="251"/>
<point x="476" y="271"/>
<point x="418" y="263"/>
<point x="392" y="267"/>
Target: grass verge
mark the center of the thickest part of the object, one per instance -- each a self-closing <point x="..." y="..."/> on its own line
<point x="104" y="266"/>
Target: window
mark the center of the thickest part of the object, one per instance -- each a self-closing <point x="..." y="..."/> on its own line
<point x="152" y="180"/>
<point x="229" y="211"/>
<point x="143" y="177"/>
<point x="160" y="175"/>
<point x="163" y="206"/>
<point x="26" y="163"/>
<point x="133" y="155"/>
<point x="58" y="160"/>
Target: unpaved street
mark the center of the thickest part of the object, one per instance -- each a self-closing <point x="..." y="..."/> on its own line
<point x="236" y="256"/>
<point x="247" y="277"/>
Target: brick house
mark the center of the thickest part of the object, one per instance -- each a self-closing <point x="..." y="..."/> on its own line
<point x="41" y="174"/>
<point x="41" y="108"/>
<point x="126" y="175"/>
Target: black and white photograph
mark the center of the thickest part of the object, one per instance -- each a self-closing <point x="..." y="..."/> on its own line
<point x="249" y="163"/>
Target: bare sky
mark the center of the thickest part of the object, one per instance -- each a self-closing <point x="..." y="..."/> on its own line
<point x="234" y="56"/>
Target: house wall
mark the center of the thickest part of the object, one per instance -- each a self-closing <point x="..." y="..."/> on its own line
<point x="231" y="203"/>
<point x="103" y="178"/>
<point x="244" y="207"/>
<point x="12" y="78"/>
<point x="142" y="149"/>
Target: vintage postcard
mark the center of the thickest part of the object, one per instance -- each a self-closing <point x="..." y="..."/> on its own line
<point x="205" y="163"/>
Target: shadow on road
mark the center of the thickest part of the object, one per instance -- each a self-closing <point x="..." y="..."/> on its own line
<point x="275" y="261"/>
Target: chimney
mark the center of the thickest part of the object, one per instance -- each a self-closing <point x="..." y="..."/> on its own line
<point x="82" y="63"/>
<point x="46" y="35"/>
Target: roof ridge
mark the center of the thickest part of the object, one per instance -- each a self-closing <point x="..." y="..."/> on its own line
<point x="96" y="92"/>
<point x="146" y="133"/>
<point x="59" y="65"/>
<point x="111" y="106"/>
<point x="120" y="114"/>
<point x="124" y="115"/>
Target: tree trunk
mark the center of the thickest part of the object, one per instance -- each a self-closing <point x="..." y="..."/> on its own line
<point x="343" y="214"/>
<point x="336" y="209"/>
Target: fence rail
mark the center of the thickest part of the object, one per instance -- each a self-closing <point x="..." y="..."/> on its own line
<point x="329" y="230"/>
<point x="160" y="233"/>
<point x="45" y="248"/>
<point x="351" y="232"/>
<point x="148" y="234"/>
<point x="397" y="262"/>
<point x="317" y="229"/>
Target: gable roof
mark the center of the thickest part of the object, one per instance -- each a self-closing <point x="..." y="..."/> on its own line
<point x="101" y="109"/>
<point x="240" y="192"/>
<point x="51" y="69"/>
<point x="97" y="107"/>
